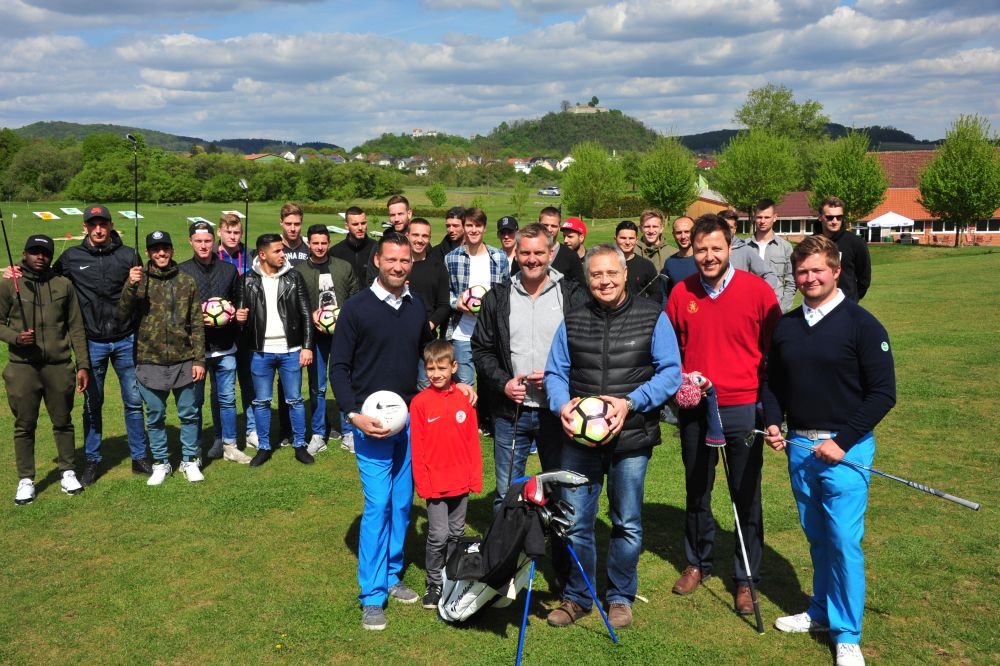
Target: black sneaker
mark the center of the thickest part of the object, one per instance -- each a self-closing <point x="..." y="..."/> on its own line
<point x="432" y="597"/>
<point x="142" y="466"/>
<point x="261" y="457"/>
<point x="303" y="456"/>
<point x="91" y="470"/>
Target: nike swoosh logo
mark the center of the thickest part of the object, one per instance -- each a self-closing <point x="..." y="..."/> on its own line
<point x="83" y="268"/>
<point x="433" y="419"/>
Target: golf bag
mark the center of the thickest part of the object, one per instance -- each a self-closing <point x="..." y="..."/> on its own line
<point x="492" y="570"/>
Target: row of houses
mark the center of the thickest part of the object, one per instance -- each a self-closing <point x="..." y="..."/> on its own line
<point x="418" y="164"/>
<point x="899" y="218"/>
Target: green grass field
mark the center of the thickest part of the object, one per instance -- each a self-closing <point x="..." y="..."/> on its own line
<point x="258" y="566"/>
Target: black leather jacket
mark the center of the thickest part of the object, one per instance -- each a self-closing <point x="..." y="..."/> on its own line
<point x="293" y="307"/>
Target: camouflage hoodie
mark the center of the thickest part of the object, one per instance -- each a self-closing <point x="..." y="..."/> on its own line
<point x="168" y="305"/>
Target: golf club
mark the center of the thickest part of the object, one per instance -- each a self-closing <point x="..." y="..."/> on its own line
<point x="743" y="546"/>
<point x="912" y="484"/>
<point x="524" y="618"/>
<point x="659" y="276"/>
<point x="135" y="190"/>
<point x="513" y="441"/>
<point x="246" y="225"/>
<point x="13" y="276"/>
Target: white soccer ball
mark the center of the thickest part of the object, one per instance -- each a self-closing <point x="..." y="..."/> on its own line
<point x="389" y="408"/>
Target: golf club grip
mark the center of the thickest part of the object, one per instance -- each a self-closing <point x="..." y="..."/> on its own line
<point x="931" y="491"/>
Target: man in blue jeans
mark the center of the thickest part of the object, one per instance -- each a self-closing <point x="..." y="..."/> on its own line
<point x="98" y="268"/>
<point x="622" y="349"/>
<point x="274" y="310"/>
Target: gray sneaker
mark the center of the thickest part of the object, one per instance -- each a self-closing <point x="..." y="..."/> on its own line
<point x="403" y="594"/>
<point x="216" y="451"/>
<point x="347" y="443"/>
<point x="316" y="445"/>
<point x="373" y="618"/>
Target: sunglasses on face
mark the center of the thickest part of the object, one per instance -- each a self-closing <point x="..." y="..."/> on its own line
<point x="831" y="218"/>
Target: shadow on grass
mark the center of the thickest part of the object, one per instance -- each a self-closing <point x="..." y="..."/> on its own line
<point x="664" y="537"/>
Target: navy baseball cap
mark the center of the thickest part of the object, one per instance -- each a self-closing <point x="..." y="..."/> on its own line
<point x="96" y="212"/>
<point x="40" y="241"/>
<point x="156" y="238"/>
<point x="507" y="223"/>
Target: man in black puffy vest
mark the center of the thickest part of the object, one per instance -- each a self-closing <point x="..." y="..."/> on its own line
<point x="623" y="350"/>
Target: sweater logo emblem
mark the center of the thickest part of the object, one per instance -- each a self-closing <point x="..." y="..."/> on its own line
<point x="432" y="420"/>
<point x="460" y="416"/>
<point x="692" y="306"/>
<point x="885" y="346"/>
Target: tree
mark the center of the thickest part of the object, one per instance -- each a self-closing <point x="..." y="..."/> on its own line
<point x="519" y="197"/>
<point x="755" y="165"/>
<point x="962" y="184"/>
<point x="593" y="101"/>
<point x="667" y="178"/>
<point x="850" y="172"/>
<point x="774" y="108"/>
<point x="436" y="195"/>
<point x="592" y="181"/>
<point x="564" y="105"/>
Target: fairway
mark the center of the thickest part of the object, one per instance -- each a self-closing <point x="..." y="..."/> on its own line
<point x="258" y="565"/>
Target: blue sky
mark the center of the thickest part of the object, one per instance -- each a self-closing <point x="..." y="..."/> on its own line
<point x="345" y="71"/>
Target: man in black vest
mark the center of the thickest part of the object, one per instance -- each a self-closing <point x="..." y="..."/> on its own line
<point x="623" y="350"/>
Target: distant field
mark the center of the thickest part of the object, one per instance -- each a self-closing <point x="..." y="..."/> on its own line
<point x="258" y="566"/>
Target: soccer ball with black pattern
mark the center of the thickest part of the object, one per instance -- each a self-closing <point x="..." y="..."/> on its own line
<point x="327" y="319"/>
<point x="473" y="298"/>
<point x="590" y="422"/>
<point x="217" y="311"/>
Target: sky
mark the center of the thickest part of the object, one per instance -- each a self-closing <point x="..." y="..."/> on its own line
<point x="343" y="71"/>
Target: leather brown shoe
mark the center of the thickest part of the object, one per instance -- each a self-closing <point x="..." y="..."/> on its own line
<point x="743" y="602"/>
<point x="620" y="615"/>
<point x="567" y="613"/>
<point x="690" y="580"/>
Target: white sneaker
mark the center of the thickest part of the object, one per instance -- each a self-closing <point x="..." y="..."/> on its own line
<point x="849" y="654"/>
<point x="160" y="472"/>
<point x="192" y="470"/>
<point x="316" y="444"/>
<point x="232" y="453"/>
<point x="25" y="492"/>
<point x="798" y="624"/>
<point x="70" y="484"/>
<point x="252" y="439"/>
<point x="347" y="443"/>
<point x="285" y="442"/>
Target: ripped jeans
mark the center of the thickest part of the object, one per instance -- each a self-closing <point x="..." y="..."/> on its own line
<point x="262" y="367"/>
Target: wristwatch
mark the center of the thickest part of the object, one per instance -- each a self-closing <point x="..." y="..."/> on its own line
<point x="630" y="404"/>
<point x="350" y="417"/>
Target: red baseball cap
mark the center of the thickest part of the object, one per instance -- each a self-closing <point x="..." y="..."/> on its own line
<point x="574" y="224"/>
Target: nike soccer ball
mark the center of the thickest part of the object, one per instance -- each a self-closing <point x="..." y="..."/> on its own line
<point x="217" y="312"/>
<point x="473" y="298"/>
<point x="327" y="320"/>
<point x="388" y="408"/>
<point x="590" y="422"/>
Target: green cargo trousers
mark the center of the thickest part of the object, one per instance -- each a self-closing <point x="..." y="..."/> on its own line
<point x="27" y="385"/>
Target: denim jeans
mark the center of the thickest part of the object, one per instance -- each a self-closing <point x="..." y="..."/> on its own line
<point x="626" y="476"/>
<point x="319" y="372"/>
<point x="186" y="398"/>
<point x="263" y="365"/>
<point x="245" y="379"/>
<point x="222" y="370"/>
<point x="534" y="426"/>
<point x="120" y="355"/>
<point x="463" y="356"/>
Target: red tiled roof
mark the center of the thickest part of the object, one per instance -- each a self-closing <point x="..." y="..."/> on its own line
<point x="903" y="168"/>
<point x="796" y="204"/>
<point x="903" y="200"/>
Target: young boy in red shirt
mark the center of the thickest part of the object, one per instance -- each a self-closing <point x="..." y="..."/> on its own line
<point x="447" y="461"/>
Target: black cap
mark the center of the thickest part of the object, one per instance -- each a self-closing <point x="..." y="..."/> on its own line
<point x="40" y="241"/>
<point x="200" y="225"/>
<point x="96" y="211"/>
<point x="507" y="223"/>
<point x="158" y="238"/>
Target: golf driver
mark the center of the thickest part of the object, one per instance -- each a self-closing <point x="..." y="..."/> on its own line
<point x="135" y="189"/>
<point x="912" y="484"/>
<point x="10" y="259"/>
<point x="246" y="225"/>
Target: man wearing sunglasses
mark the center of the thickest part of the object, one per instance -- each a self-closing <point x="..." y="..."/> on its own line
<point x="855" y="261"/>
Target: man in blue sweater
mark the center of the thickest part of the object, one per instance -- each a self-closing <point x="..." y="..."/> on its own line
<point x="376" y="346"/>
<point x="830" y="375"/>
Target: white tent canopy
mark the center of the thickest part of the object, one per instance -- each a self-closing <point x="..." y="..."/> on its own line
<point x="890" y="220"/>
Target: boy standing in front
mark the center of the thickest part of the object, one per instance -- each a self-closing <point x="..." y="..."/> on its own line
<point x="447" y="463"/>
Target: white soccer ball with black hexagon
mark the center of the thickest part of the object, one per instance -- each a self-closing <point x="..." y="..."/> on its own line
<point x="327" y="319"/>
<point x="591" y="426"/>
<point x="217" y="311"/>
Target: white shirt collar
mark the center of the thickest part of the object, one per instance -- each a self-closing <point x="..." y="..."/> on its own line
<point x="382" y="294"/>
<point x="815" y="315"/>
<point x="715" y="293"/>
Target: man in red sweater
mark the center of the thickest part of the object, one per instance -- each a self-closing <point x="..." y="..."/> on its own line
<point x="723" y="318"/>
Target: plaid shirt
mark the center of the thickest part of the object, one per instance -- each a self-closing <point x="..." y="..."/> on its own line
<point x="458" y="264"/>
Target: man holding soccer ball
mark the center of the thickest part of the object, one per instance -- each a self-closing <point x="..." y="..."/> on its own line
<point x="623" y="350"/>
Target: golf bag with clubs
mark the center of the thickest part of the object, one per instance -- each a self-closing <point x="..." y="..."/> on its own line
<point x="490" y="571"/>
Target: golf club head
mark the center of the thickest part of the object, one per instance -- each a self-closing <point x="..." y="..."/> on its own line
<point x="243" y="184"/>
<point x="562" y="477"/>
<point x="132" y="139"/>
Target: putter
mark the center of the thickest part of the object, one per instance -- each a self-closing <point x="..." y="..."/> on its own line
<point x="912" y="484"/>
<point x="10" y="260"/>
<point x="743" y="547"/>
<point x="135" y="190"/>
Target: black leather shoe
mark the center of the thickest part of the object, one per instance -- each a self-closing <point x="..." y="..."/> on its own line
<point x="91" y="471"/>
<point x="263" y="455"/>
<point x="142" y="466"/>
<point x="303" y="456"/>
